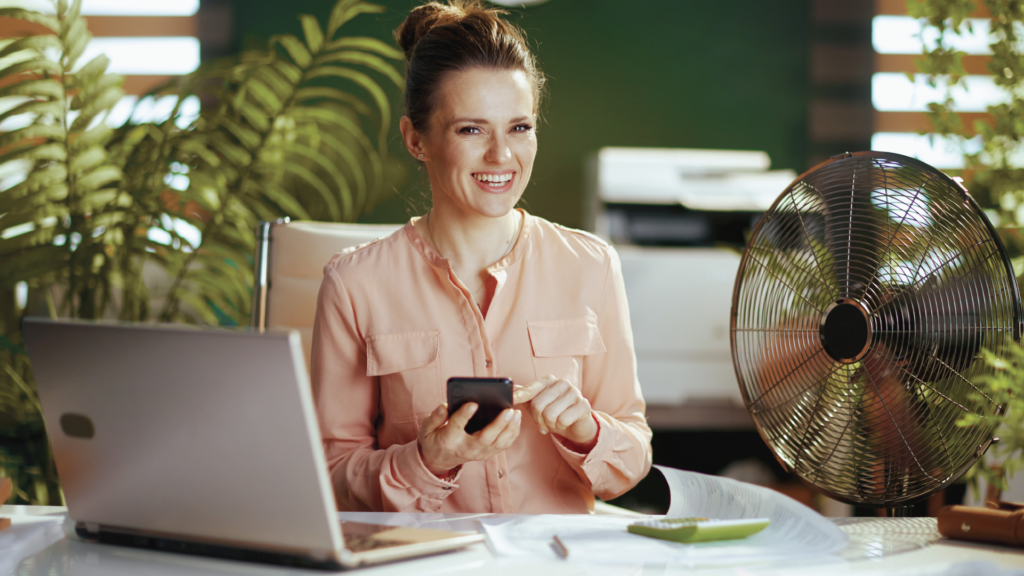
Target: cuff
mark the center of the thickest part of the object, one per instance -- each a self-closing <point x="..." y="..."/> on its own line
<point x="411" y="466"/>
<point x="586" y="463"/>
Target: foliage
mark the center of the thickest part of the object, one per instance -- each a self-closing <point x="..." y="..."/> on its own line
<point x="156" y="220"/>
<point x="1004" y="387"/>
<point x="993" y="150"/>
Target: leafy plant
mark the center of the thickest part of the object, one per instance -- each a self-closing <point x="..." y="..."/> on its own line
<point x="156" y="220"/>
<point x="1005" y="387"/>
<point x="993" y="151"/>
<point x="280" y="142"/>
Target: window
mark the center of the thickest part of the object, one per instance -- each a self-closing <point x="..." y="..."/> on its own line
<point x="147" y="41"/>
<point x="901" y="125"/>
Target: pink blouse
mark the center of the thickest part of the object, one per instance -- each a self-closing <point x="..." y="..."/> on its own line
<point x="393" y="323"/>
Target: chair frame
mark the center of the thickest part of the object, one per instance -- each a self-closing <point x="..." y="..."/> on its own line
<point x="261" y="284"/>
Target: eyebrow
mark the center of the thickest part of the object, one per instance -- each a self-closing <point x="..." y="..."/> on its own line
<point x="484" y="121"/>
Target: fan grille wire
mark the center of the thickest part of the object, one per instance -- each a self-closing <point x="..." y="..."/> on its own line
<point x="904" y="244"/>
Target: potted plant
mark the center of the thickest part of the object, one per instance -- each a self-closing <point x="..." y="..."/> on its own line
<point x="156" y="221"/>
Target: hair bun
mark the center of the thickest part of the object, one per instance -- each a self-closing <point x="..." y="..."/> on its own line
<point x="423" y="19"/>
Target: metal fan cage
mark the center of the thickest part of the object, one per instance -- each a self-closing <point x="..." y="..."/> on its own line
<point x="861" y="303"/>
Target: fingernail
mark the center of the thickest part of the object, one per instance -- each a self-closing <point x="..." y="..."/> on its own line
<point x="519" y="416"/>
<point x="543" y="431"/>
<point x="442" y="408"/>
<point x="508" y="414"/>
<point x="472" y="407"/>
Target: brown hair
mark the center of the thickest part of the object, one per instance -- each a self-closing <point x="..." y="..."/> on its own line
<point x="442" y="38"/>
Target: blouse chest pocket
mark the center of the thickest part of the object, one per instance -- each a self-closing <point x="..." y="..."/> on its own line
<point x="409" y="367"/>
<point x="560" y="345"/>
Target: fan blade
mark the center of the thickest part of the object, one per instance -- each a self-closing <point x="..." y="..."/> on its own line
<point x="782" y="394"/>
<point x="896" y="421"/>
<point x="938" y="329"/>
<point x="854" y="229"/>
<point x="791" y="361"/>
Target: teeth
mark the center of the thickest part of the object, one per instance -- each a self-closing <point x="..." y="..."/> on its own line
<point x="493" y="178"/>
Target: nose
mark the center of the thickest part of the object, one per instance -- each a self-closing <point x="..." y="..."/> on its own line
<point x="498" y="151"/>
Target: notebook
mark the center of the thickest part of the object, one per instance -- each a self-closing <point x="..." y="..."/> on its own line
<point x="199" y="441"/>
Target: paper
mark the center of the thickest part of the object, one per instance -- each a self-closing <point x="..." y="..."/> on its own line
<point x="27" y="536"/>
<point x="795" y="531"/>
<point x="793" y="526"/>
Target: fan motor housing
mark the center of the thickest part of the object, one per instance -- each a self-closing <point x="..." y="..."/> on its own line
<point x="846" y="330"/>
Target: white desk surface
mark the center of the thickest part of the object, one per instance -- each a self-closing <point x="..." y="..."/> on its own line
<point x="60" y="556"/>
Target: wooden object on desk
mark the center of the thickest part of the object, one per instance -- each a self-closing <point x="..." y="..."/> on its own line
<point x="5" y="492"/>
<point x="996" y="523"/>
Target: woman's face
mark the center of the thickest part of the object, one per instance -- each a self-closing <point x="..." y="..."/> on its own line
<point x="481" y="141"/>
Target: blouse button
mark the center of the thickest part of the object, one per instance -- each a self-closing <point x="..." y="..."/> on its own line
<point x="501" y="474"/>
<point x="488" y="362"/>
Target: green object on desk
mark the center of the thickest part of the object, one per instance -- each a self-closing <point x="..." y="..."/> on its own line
<point x="689" y="530"/>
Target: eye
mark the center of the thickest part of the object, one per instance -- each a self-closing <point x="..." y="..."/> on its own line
<point x="522" y="128"/>
<point x="469" y="130"/>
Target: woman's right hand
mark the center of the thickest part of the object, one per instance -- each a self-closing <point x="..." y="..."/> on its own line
<point x="445" y="445"/>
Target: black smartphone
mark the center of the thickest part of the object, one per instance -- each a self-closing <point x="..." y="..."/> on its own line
<point x="492" y="395"/>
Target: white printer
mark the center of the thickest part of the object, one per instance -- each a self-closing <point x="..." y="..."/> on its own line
<point x="679" y="219"/>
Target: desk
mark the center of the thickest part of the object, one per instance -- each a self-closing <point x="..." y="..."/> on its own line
<point x="62" y="556"/>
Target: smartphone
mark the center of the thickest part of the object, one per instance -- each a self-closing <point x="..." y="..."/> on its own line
<point x="492" y="395"/>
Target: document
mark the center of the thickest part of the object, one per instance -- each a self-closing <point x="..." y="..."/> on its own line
<point x="796" y="532"/>
<point x="27" y="536"/>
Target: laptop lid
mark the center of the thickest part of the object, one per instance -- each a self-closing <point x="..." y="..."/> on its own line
<point x="184" y="432"/>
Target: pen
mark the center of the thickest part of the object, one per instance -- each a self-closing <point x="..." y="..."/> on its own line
<point x="560" y="547"/>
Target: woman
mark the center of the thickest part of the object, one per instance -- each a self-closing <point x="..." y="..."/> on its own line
<point x="476" y="288"/>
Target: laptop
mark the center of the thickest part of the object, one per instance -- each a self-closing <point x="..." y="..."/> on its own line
<point x="200" y="441"/>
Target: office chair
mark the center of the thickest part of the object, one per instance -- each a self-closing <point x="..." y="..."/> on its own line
<point x="290" y="259"/>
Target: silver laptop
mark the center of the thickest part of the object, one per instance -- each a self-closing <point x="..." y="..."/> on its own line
<point x="199" y="441"/>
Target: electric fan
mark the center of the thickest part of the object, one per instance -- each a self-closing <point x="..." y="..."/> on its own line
<point x="862" y="300"/>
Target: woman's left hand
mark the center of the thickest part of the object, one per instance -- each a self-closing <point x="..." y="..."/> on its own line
<point x="558" y="407"/>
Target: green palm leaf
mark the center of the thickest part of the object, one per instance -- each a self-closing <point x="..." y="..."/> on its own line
<point x="282" y="132"/>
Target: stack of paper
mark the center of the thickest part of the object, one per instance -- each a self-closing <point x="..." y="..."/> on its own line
<point x="27" y="536"/>
<point x="796" y="532"/>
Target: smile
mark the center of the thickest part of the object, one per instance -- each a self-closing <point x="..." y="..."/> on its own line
<point x="494" y="179"/>
<point x="494" y="182"/>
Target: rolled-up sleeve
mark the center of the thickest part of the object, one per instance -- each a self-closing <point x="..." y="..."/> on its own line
<point x="364" y="477"/>
<point x="622" y="455"/>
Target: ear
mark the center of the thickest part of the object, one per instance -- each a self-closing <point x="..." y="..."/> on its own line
<point x="413" y="139"/>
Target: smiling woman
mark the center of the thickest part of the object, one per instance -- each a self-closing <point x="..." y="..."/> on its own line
<point x="476" y="288"/>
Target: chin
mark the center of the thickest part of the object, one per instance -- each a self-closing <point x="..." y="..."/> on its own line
<point x="496" y="211"/>
<point x="496" y="207"/>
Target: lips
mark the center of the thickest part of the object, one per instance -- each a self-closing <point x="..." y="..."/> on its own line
<point x="494" y="182"/>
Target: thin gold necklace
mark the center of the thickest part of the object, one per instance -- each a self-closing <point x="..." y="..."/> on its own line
<point x="508" y="248"/>
<point x="508" y="245"/>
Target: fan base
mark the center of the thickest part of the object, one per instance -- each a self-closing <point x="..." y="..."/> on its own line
<point x="897" y="511"/>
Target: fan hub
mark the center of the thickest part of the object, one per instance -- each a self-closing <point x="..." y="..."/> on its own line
<point x="846" y="330"/>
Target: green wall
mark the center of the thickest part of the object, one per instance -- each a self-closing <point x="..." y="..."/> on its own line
<point x="669" y="73"/>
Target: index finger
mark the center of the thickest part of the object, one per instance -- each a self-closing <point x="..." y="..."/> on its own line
<point x="529" y="391"/>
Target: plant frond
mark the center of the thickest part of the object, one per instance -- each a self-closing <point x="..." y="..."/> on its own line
<point x="366" y="83"/>
<point x="347" y="10"/>
<point x="295" y="49"/>
<point x="371" y="61"/>
<point x="46" y="20"/>
<point x="314" y="35"/>
<point x="367" y="45"/>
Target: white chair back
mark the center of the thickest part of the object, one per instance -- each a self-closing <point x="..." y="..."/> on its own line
<point x="290" y="259"/>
